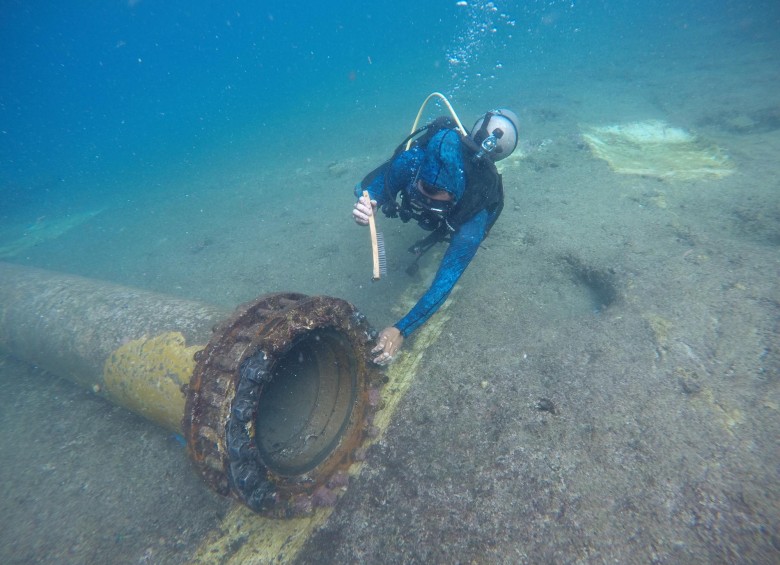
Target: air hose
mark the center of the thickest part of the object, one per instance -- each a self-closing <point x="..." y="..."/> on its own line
<point x="451" y="110"/>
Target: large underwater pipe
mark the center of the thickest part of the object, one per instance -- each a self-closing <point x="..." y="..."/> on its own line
<point x="275" y="401"/>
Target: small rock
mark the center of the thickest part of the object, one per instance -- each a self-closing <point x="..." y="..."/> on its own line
<point x="546" y="405"/>
<point x="338" y="169"/>
<point x="690" y="383"/>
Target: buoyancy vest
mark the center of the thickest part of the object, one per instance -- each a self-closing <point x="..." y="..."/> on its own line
<point x="484" y="191"/>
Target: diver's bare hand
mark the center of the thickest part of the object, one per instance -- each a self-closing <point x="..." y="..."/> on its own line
<point x="363" y="209"/>
<point x="388" y="343"/>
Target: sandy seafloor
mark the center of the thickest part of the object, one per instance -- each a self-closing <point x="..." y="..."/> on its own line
<point x="663" y="447"/>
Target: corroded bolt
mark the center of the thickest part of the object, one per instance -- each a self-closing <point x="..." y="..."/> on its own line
<point x="243" y="410"/>
<point x="246" y="477"/>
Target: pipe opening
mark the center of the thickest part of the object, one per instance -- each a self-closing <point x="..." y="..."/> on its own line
<point x="307" y="405"/>
<point x="278" y="403"/>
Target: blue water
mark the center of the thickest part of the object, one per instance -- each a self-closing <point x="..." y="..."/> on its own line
<point x="103" y="98"/>
<point x="95" y="93"/>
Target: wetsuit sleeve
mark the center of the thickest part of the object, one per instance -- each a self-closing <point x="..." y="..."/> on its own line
<point x="459" y="254"/>
<point x="397" y="174"/>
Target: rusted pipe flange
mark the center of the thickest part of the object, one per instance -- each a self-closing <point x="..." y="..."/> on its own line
<point x="281" y="401"/>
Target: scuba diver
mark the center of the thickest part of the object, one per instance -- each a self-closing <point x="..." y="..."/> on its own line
<point x="447" y="181"/>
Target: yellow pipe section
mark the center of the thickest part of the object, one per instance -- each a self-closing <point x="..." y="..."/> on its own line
<point x="132" y="346"/>
<point x="136" y="348"/>
<point x="147" y="375"/>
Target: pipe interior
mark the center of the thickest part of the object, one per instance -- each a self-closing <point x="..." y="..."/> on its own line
<point x="305" y="409"/>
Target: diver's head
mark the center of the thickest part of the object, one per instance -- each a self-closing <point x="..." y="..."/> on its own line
<point x="442" y="169"/>
<point x="496" y="133"/>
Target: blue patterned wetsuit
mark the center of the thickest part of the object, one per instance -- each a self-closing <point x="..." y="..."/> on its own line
<point x="440" y="164"/>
